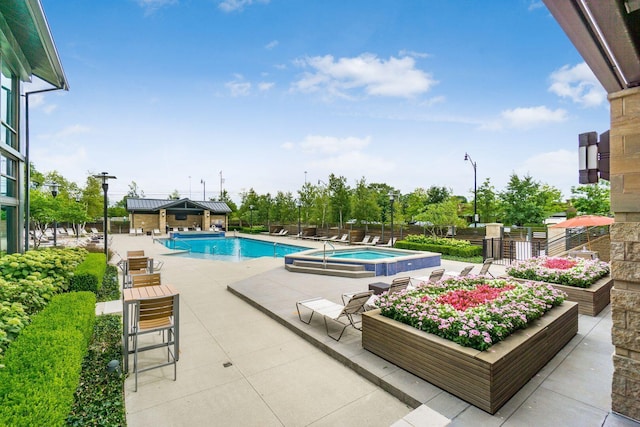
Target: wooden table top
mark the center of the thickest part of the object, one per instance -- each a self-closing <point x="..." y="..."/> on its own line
<point x="142" y="292"/>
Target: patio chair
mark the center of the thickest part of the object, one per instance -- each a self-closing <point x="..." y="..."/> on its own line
<point x="333" y="311"/>
<point x="373" y="241"/>
<point x="466" y="271"/>
<point x="150" y="279"/>
<point x="484" y="270"/>
<point x="136" y="253"/>
<point x="364" y="241"/>
<point x="389" y="243"/>
<point x="436" y="275"/>
<point x="343" y="239"/>
<point x="155" y="315"/>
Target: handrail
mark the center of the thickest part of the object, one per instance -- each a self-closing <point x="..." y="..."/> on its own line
<point x="274" y="249"/>
<point x="324" y="253"/>
<point x="176" y="241"/>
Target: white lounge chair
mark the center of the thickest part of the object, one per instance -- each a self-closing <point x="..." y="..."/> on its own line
<point x="373" y="241"/>
<point x="364" y="241"/>
<point x="331" y="310"/>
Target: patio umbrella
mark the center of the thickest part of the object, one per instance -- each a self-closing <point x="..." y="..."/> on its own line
<point x="585" y="221"/>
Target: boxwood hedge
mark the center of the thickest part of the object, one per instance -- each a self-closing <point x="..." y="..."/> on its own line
<point x="89" y="273"/>
<point x="42" y="366"/>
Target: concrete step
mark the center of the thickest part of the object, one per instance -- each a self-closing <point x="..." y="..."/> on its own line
<point x="331" y="265"/>
<point x="329" y="271"/>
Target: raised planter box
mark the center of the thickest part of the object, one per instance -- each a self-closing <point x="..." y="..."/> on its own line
<point x="590" y="300"/>
<point x="486" y="379"/>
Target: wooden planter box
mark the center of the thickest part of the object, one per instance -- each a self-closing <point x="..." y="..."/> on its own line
<point x="486" y="379"/>
<point x="590" y="300"/>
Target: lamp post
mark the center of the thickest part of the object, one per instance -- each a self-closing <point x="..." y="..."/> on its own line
<point x="299" y="205"/>
<point x="251" y="220"/>
<point x="204" y="189"/>
<point x="105" y="177"/>
<point x="475" y="189"/>
<point x="54" y="192"/>
<point x="391" y="199"/>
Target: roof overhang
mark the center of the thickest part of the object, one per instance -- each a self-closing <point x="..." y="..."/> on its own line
<point x="28" y="44"/>
<point x="606" y="33"/>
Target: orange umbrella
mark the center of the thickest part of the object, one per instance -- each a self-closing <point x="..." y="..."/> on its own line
<point x="585" y="221"/>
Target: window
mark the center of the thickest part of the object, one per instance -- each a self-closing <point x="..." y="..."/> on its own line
<point x="8" y="183"/>
<point x="7" y="109"/>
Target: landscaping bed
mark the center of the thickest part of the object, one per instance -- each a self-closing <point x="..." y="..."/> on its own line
<point x="486" y="379"/>
<point x="586" y="282"/>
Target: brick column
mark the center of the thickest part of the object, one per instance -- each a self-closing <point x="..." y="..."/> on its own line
<point x="625" y="251"/>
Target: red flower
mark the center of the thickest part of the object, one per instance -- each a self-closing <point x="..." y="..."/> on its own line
<point x="463" y="299"/>
<point x="559" y="263"/>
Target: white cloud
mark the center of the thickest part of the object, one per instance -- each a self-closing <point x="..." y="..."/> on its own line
<point x="151" y="6"/>
<point x="272" y="44"/>
<point x="332" y="144"/>
<point x="579" y="84"/>
<point x="557" y="168"/>
<point x="413" y="53"/>
<point x="288" y="145"/>
<point x="233" y="5"/>
<point x="67" y="132"/>
<point x="395" y="77"/>
<point x="238" y="87"/>
<point x="265" y="86"/>
<point x="529" y="117"/>
<point x="49" y="108"/>
<point x="535" y="4"/>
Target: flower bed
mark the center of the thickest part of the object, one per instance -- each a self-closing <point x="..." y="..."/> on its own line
<point x="578" y="272"/>
<point x="586" y="282"/>
<point x="471" y="311"/>
<point x="422" y="332"/>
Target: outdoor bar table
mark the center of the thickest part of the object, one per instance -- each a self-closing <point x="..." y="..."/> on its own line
<point x="132" y="296"/>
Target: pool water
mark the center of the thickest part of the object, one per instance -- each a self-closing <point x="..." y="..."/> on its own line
<point x="364" y="254"/>
<point x="231" y="248"/>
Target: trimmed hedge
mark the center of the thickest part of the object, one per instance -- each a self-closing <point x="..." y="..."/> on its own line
<point x="110" y="289"/>
<point x="461" y="251"/>
<point x="42" y="366"/>
<point x="89" y="274"/>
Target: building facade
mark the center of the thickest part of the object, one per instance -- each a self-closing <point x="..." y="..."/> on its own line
<point x="26" y="50"/>
<point x="147" y="215"/>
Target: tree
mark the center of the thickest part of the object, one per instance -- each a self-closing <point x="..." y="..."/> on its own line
<point x="340" y="201"/>
<point x="487" y="202"/>
<point x="442" y="215"/>
<point x="224" y="197"/>
<point x="364" y="206"/>
<point x="526" y="201"/>
<point x="416" y="203"/>
<point x="437" y="194"/>
<point x="175" y="195"/>
<point x="594" y="199"/>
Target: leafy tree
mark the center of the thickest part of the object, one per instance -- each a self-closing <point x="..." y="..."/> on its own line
<point x="364" y="206"/>
<point x="437" y="194"/>
<point x="306" y="196"/>
<point x="592" y="199"/>
<point x="416" y="202"/>
<point x="340" y="201"/>
<point x="442" y="215"/>
<point x="175" y="195"/>
<point x="224" y="197"/>
<point x="527" y="201"/>
<point x="487" y="202"/>
<point x="93" y="198"/>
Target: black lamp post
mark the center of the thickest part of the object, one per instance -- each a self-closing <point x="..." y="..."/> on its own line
<point x="251" y="216"/>
<point x="105" y="177"/>
<point x="391" y="199"/>
<point x="299" y="204"/>
<point x="54" y="192"/>
<point x="475" y="190"/>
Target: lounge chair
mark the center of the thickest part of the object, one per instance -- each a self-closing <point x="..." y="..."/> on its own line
<point x="283" y="232"/>
<point x="156" y="231"/>
<point x="435" y="275"/>
<point x="331" y="310"/>
<point x="329" y="239"/>
<point x="185" y="228"/>
<point x="343" y="239"/>
<point x="389" y="243"/>
<point x="465" y="271"/>
<point x="484" y="270"/>
<point x="364" y="241"/>
<point x="398" y="284"/>
<point x="373" y="241"/>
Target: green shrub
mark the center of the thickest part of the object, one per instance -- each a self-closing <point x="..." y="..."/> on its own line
<point x="13" y="319"/>
<point x="89" y="274"/>
<point x="54" y="263"/>
<point x="42" y="367"/>
<point x="34" y="295"/>
<point x="99" y="399"/>
<point x="110" y="289"/>
<point x="455" y="250"/>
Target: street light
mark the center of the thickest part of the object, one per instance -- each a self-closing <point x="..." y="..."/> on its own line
<point x="251" y="213"/>
<point x="105" y="177"/>
<point x="475" y="189"/>
<point x="391" y="199"/>
<point x="204" y="189"/>
<point x="54" y="192"/>
<point x="299" y="205"/>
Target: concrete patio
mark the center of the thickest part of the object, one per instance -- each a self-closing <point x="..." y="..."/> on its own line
<point x="246" y="359"/>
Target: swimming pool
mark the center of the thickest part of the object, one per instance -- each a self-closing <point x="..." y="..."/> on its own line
<point x="383" y="262"/>
<point x="233" y="249"/>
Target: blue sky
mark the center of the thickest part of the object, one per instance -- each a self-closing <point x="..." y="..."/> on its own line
<point x="168" y="93"/>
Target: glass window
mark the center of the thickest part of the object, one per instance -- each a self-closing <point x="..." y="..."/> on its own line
<point x="7" y="109"/>
<point x="7" y="177"/>
<point x="8" y="229"/>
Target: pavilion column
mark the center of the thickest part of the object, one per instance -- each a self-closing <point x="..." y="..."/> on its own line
<point x="625" y="251"/>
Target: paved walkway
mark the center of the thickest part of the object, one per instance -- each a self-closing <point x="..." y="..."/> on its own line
<point x="247" y="360"/>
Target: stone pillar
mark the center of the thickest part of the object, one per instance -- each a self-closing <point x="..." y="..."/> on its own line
<point x="206" y="221"/>
<point x="493" y="230"/>
<point x="625" y="251"/>
<point x="162" y="223"/>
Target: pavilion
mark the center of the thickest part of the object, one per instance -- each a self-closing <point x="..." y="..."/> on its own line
<point x="163" y="214"/>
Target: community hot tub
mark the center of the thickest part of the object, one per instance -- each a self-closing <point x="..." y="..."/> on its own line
<point x="381" y="261"/>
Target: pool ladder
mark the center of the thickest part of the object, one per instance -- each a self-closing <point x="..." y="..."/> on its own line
<point x="324" y="253"/>
<point x="275" y="244"/>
